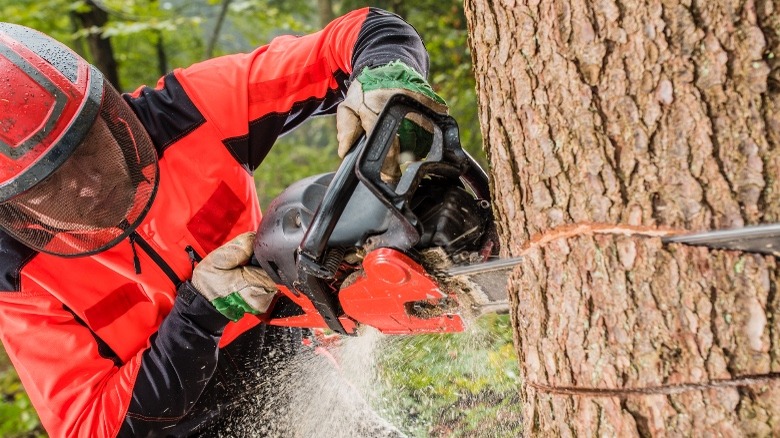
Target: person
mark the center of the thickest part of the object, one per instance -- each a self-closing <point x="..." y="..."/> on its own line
<point x="115" y="321"/>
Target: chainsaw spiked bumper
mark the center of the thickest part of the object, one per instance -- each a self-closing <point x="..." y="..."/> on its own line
<point x="391" y="288"/>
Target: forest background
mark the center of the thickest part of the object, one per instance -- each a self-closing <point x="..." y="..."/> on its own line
<point x="433" y="385"/>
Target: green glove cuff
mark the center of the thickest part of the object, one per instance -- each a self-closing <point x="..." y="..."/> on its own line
<point x="233" y="306"/>
<point x="396" y="75"/>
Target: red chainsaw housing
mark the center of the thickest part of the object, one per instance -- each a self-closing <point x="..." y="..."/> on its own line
<point x="380" y="298"/>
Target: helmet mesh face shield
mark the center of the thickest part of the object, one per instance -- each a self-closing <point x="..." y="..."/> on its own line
<point x="97" y="196"/>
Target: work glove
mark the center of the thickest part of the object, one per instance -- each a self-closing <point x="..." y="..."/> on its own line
<point x="366" y="98"/>
<point x="234" y="288"/>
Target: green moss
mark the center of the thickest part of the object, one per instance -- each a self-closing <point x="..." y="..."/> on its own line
<point x="740" y="265"/>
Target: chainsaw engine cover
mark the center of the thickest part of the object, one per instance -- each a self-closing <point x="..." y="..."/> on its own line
<point x="290" y="215"/>
<point x="449" y="217"/>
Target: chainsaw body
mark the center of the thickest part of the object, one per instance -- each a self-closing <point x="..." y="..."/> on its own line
<point x="344" y="248"/>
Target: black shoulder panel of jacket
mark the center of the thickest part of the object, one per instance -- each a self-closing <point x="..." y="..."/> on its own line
<point x="386" y="37"/>
<point x="177" y="366"/>
<point x="13" y="256"/>
<point x="251" y="149"/>
<point x="168" y="114"/>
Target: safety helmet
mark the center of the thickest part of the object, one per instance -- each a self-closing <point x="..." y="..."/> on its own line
<point x="77" y="169"/>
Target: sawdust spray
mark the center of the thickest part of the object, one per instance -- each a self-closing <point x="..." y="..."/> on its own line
<point x="345" y="393"/>
<point x="324" y="394"/>
<point x="338" y="398"/>
<point x="352" y="390"/>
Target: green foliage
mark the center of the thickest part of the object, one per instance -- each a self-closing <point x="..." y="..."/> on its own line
<point x="49" y="16"/>
<point x="463" y="384"/>
<point x="17" y="416"/>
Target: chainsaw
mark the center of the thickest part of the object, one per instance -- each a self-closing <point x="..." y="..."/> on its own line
<point x="348" y="248"/>
<point x="416" y="255"/>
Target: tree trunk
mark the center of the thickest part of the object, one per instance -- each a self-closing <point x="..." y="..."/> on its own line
<point x="162" y="55"/>
<point x="223" y="10"/>
<point x="606" y="124"/>
<point x="102" y="52"/>
<point x="325" y="12"/>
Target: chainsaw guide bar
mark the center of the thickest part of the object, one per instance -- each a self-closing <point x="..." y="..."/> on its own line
<point x="762" y="239"/>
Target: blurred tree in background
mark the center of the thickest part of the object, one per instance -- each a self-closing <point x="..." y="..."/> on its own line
<point x="134" y="42"/>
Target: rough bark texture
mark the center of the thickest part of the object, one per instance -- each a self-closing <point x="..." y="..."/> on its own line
<point x="644" y="113"/>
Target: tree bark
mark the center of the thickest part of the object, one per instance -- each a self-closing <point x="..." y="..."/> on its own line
<point x="607" y="123"/>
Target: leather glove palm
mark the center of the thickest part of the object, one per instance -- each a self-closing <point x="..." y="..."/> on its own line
<point x="366" y="98"/>
<point x="233" y="287"/>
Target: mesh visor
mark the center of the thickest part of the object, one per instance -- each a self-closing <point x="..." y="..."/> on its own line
<point x="97" y="196"/>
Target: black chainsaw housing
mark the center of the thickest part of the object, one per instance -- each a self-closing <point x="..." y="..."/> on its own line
<point x="441" y="200"/>
<point x="290" y="216"/>
<point x="449" y="216"/>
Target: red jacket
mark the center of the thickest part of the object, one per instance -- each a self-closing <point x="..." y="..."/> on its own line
<point x="104" y="344"/>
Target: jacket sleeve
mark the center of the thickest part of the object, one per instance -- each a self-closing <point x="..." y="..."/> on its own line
<point x="254" y="98"/>
<point x="78" y="390"/>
